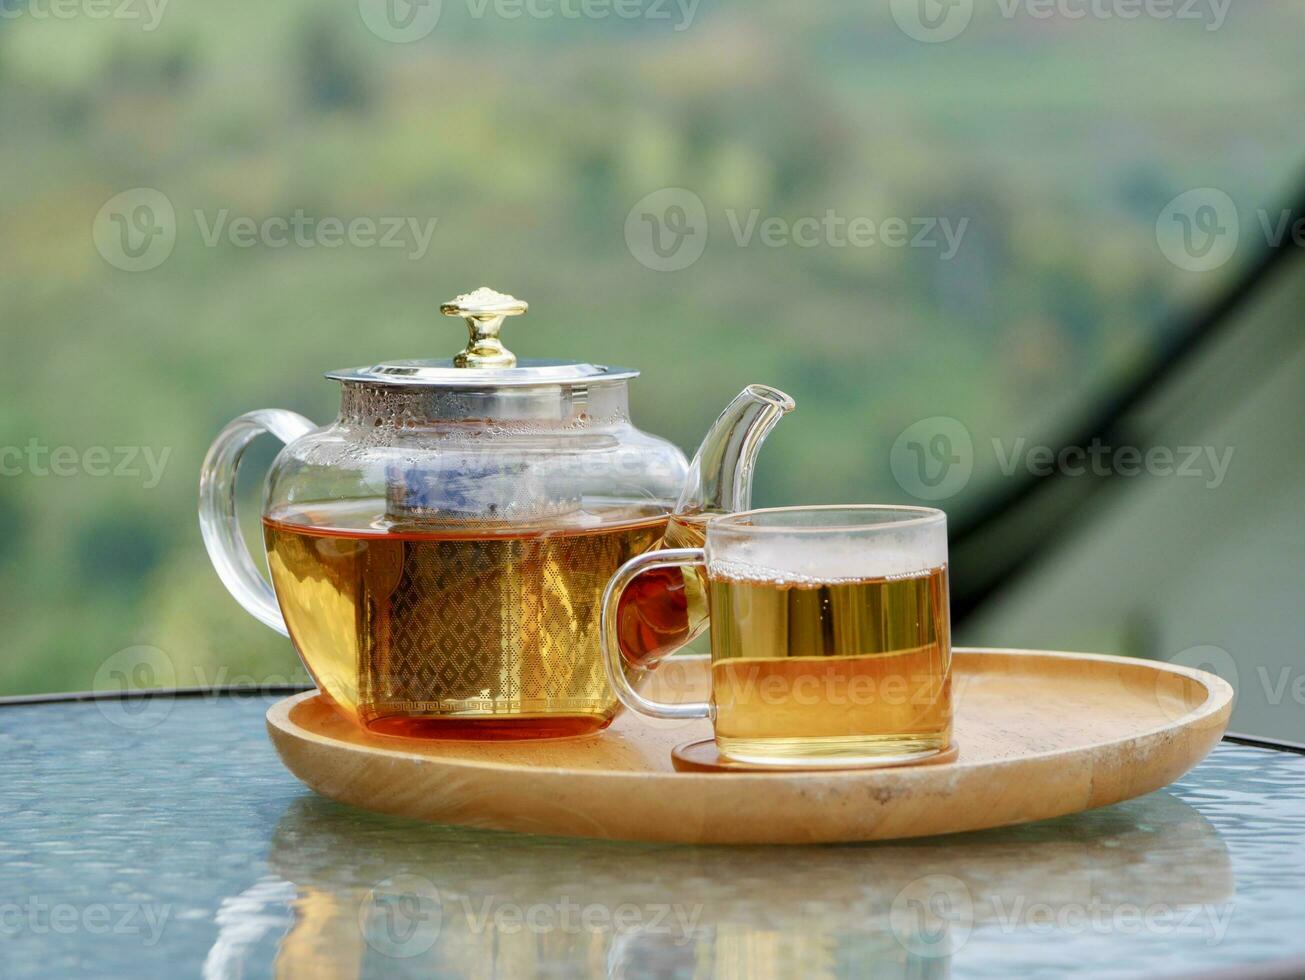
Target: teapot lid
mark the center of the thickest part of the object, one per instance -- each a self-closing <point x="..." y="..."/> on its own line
<point x="484" y="362"/>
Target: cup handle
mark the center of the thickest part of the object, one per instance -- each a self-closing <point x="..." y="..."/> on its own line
<point x="613" y="662"/>
<point x="217" y="509"/>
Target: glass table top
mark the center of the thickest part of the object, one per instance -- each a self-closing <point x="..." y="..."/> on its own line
<point x="164" y="838"/>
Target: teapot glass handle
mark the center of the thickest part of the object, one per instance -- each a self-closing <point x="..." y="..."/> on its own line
<point x="613" y="659"/>
<point x="217" y="509"/>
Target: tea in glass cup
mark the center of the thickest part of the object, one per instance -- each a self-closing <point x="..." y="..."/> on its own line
<point x="830" y="635"/>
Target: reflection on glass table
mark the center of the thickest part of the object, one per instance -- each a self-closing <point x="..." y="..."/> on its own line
<point x="170" y="842"/>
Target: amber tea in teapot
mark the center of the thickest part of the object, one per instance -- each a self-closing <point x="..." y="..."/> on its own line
<point x="447" y="631"/>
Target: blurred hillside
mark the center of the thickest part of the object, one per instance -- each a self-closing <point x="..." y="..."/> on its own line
<point x="529" y="142"/>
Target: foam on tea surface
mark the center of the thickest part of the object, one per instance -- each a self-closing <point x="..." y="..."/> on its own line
<point x="801" y="560"/>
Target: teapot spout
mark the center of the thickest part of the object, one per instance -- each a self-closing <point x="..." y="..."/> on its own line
<point x="665" y="608"/>
<point x="720" y="476"/>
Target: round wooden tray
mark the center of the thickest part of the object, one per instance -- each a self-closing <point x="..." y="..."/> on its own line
<point x="1040" y="735"/>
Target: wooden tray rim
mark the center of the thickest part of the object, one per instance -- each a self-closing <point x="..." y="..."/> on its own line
<point x="1219" y="695"/>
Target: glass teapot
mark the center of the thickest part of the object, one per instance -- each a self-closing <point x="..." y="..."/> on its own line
<point x="438" y="552"/>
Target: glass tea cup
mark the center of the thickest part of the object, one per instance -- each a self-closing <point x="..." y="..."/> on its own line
<point x="830" y="635"/>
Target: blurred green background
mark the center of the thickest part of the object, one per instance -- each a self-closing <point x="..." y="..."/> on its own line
<point x="529" y="139"/>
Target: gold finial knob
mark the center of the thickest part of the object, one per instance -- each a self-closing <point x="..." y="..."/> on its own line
<point x="484" y="311"/>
